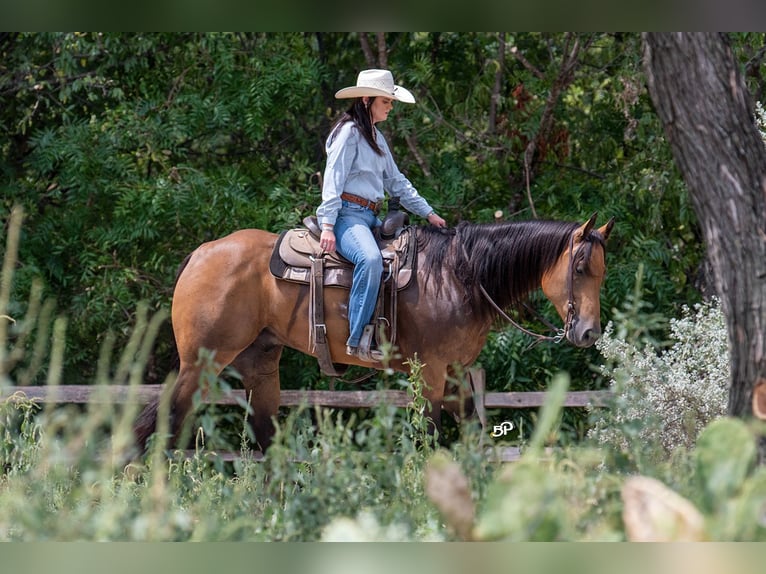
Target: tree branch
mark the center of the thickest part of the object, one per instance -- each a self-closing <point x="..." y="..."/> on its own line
<point x="412" y="145"/>
<point x="569" y="63"/>
<point x="369" y="57"/>
<point x="382" y="50"/>
<point x="495" y="99"/>
<point x="526" y="63"/>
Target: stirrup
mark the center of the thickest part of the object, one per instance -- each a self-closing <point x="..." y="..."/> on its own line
<point x="367" y="338"/>
<point x="368" y="355"/>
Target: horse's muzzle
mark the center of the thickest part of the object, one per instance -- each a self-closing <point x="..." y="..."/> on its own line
<point x="583" y="335"/>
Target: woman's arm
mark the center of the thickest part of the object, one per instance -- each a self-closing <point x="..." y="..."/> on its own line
<point x="397" y="184"/>
<point x="341" y="150"/>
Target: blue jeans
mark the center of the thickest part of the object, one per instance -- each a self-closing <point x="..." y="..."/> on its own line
<point x="354" y="240"/>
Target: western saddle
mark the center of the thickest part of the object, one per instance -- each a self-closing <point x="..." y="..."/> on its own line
<point x="297" y="257"/>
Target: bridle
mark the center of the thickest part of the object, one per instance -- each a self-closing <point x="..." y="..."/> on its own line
<point x="562" y="333"/>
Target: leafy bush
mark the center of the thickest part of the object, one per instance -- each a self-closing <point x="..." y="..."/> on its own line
<point x="332" y="476"/>
<point x="664" y="399"/>
<point x="572" y="498"/>
<point x="63" y="481"/>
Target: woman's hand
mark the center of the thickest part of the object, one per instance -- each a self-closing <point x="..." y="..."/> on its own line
<point x="327" y="241"/>
<point x="435" y="220"/>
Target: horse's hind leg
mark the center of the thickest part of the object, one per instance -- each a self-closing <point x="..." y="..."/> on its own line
<point x="183" y="391"/>
<point x="259" y="367"/>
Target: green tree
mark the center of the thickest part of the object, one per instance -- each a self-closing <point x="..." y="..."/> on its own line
<point x="128" y="150"/>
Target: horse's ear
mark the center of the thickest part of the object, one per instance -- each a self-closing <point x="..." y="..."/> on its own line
<point x="586" y="228"/>
<point x="606" y="229"/>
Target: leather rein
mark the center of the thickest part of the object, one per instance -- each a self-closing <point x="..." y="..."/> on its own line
<point x="560" y="333"/>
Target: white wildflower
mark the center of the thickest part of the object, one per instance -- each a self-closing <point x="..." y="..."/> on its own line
<point x="666" y="399"/>
<point x="760" y="119"/>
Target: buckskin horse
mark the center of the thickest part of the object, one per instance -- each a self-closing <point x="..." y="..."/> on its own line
<point x="227" y="301"/>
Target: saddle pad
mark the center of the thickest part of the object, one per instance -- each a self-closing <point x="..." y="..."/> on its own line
<point x="291" y="261"/>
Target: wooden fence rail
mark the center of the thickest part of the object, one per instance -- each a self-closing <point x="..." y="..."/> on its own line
<point x="82" y="394"/>
<point x="119" y="394"/>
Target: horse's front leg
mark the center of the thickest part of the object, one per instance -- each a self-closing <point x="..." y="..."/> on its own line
<point x="459" y="399"/>
<point x="434" y="379"/>
<point x="259" y="367"/>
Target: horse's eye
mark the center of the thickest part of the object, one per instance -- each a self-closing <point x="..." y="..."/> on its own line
<point x="580" y="269"/>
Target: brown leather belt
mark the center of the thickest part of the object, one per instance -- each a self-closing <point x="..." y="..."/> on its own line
<point x="375" y="207"/>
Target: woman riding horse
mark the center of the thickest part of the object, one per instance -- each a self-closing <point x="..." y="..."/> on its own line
<point x="359" y="169"/>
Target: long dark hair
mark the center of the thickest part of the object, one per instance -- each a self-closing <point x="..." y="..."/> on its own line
<point x="359" y="113"/>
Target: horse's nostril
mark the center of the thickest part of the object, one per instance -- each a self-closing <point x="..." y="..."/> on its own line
<point x="592" y="335"/>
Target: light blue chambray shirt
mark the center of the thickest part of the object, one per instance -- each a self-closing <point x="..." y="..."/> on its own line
<point x="354" y="167"/>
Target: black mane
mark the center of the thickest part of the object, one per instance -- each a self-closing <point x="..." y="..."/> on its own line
<point x="508" y="258"/>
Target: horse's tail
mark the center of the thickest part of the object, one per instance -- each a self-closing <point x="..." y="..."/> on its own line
<point x="181" y="268"/>
<point x="176" y="363"/>
<point x="146" y="423"/>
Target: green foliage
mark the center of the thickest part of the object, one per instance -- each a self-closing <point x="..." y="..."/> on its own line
<point x="725" y="456"/>
<point x="121" y="185"/>
<point x="572" y="498"/>
<point x="21" y="436"/>
<point x="514" y="362"/>
<point x="730" y="489"/>
<point x="63" y="475"/>
<point x="332" y="476"/>
<point x="523" y="505"/>
<point x="636" y="323"/>
<point x="664" y="394"/>
<point x="128" y="150"/>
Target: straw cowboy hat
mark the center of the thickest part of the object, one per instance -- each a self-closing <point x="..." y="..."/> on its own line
<point x="376" y="83"/>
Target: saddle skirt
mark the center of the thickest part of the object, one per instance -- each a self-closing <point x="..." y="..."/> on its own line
<point x="296" y="248"/>
<point x="298" y="258"/>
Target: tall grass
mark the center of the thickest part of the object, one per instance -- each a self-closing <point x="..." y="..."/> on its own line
<point x="64" y="475"/>
<point x="341" y="475"/>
